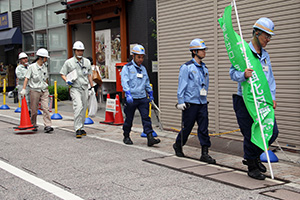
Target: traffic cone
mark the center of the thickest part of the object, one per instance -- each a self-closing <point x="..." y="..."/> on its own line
<point x="25" y="123"/>
<point x="119" y="120"/>
<point x="272" y="156"/>
<point x="109" y="116"/>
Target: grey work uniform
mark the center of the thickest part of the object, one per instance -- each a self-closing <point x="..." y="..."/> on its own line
<point x="37" y="77"/>
<point x="20" y="73"/>
<point x="79" y="89"/>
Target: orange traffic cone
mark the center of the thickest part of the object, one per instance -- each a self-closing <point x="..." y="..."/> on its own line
<point x="25" y="123"/>
<point x="118" y="116"/>
<point x="109" y="116"/>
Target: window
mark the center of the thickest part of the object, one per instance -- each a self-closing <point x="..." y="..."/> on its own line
<point x="41" y="39"/>
<point x="4" y="6"/>
<point x="28" y="42"/>
<point x="15" y="5"/>
<point x="38" y="2"/>
<point x="53" y="18"/>
<point x="26" y="4"/>
<point x="57" y="38"/>
<point x="39" y="17"/>
<point x="57" y="60"/>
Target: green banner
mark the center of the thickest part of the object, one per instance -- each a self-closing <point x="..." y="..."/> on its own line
<point x="261" y="88"/>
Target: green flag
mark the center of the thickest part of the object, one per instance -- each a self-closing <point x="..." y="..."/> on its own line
<point x="261" y="88"/>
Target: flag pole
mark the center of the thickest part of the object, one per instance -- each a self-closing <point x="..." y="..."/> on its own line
<point x="252" y="88"/>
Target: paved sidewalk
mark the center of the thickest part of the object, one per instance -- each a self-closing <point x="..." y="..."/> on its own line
<point x="283" y="170"/>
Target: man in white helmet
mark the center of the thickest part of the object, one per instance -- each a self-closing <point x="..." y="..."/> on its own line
<point x="263" y="30"/>
<point x="136" y="85"/>
<point x="37" y="79"/>
<point x="192" y="90"/>
<point x="79" y="87"/>
<point x="20" y="73"/>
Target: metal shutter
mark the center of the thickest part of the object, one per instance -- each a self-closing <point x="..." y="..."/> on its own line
<point x="178" y="22"/>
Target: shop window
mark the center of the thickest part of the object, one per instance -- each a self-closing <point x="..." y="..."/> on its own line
<point x="57" y="60"/>
<point x="40" y="17"/>
<point x="41" y="39"/>
<point x="28" y="42"/>
<point x="57" y="38"/>
<point x="26" y="4"/>
<point x="50" y="1"/>
<point x="38" y="2"/>
<point x="53" y="18"/>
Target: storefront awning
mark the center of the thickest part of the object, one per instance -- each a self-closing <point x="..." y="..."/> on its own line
<point x="11" y="36"/>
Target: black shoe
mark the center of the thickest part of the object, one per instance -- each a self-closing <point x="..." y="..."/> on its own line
<point x="178" y="150"/>
<point x="152" y="140"/>
<point x="208" y="159"/>
<point x="78" y="134"/>
<point x="127" y="140"/>
<point x="83" y="133"/>
<point x="259" y="165"/>
<point x="205" y="157"/>
<point x="256" y="174"/>
<point x="48" y="129"/>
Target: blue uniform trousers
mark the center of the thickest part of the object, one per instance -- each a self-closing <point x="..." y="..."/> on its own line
<point x="129" y="109"/>
<point x="195" y="113"/>
<point x="251" y="151"/>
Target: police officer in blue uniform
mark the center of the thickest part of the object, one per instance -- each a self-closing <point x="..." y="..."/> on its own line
<point x="192" y="100"/>
<point x="263" y="30"/>
<point x="136" y="85"/>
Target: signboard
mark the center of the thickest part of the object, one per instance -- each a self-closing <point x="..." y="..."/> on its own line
<point x="110" y="105"/>
<point x="108" y="52"/>
<point x="154" y="66"/>
<point x="5" y="20"/>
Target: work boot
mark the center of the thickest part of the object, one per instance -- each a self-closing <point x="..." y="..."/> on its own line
<point x="152" y="140"/>
<point x="127" y="140"/>
<point x="253" y="170"/>
<point x="259" y="165"/>
<point x="78" y="134"/>
<point x="178" y="150"/>
<point x="47" y="129"/>
<point x="83" y="133"/>
<point x="205" y="157"/>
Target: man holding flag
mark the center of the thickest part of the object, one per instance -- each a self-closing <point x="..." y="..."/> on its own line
<point x="262" y="33"/>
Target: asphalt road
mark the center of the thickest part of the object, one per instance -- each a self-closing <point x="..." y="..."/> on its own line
<point x="58" y="166"/>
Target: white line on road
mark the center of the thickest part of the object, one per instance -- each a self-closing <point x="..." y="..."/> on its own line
<point x="39" y="182"/>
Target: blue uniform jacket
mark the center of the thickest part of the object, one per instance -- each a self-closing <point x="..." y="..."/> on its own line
<point x="131" y="82"/>
<point x="239" y="76"/>
<point x="192" y="78"/>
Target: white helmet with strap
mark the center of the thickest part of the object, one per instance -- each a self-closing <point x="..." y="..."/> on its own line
<point x="78" y="45"/>
<point x="265" y="24"/>
<point x="138" y="49"/>
<point x="22" y="55"/>
<point x="197" y="44"/>
<point x="42" y="53"/>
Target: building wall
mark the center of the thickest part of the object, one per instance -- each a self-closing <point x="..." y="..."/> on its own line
<point x="178" y="22"/>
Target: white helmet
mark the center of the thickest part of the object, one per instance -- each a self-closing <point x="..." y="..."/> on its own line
<point x="42" y="53"/>
<point x="138" y="49"/>
<point x="78" y="45"/>
<point x="22" y="55"/>
<point x="197" y="44"/>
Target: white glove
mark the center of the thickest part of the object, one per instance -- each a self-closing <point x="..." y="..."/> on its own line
<point x="181" y="106"/>
<point x="23" y="92"/>
<point x="91" y="92"/>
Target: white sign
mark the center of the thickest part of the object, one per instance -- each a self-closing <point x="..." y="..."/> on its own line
<point x="110" y="105"/>
<point x="154" y="66"/>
